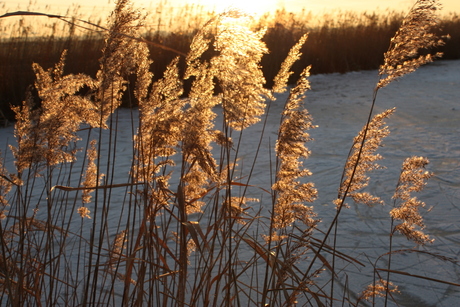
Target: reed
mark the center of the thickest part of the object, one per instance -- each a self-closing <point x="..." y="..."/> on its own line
<point x="361" y="39"/>
<point x="182" y="227"/>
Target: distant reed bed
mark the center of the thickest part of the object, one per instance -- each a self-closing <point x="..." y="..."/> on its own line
<point x="181" y="227"/>
<point x="339" y="42"/>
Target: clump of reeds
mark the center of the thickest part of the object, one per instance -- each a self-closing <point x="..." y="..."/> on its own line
<point x="185" y="214"/>
<point x="361" y="39"/>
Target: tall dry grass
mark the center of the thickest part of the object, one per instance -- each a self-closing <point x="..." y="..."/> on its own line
<point x="338" y="42"/>
<point x="188" y="232"/>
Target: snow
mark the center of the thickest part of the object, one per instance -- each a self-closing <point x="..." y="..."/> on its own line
<point x="426" y="123"/>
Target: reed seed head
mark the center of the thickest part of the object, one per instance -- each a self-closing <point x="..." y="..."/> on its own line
<point x="403" y="56"/>
<point x="413" y="178"/>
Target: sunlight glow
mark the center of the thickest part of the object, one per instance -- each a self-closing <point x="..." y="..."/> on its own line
<point x="89" y="7"/>
<point x="251" y="7"/>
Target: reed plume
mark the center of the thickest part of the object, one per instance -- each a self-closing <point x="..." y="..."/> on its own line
<point x="238" y="51"/>
<point x="5" y="187"/>
<point x="238" y="71"/>
<point x="412" y="179"/>
<point x="414" y="35"/>
<point x="161" y="125"/>
<point x="199" y="169"/>
<point x="290" y="149"/>
<point x="46" y="135"/>
<point x="379" y="289"/>
<point x="282" y="77"/>
<point x="90" y="181"/>
<point x="122" y="57"/>
<point x="363" y="159"/>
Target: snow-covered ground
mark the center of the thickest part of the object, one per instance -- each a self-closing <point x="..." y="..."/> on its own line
<point x="426" y="123"/>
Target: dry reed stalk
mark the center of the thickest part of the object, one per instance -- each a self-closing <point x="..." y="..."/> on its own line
<point x="402" y="58"/>
<point x="155" y="249"/>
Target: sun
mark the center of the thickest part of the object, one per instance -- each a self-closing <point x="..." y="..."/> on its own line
<point x="249" y="6"/>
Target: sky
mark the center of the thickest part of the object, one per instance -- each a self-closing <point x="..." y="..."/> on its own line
<point x="251" y="6"/>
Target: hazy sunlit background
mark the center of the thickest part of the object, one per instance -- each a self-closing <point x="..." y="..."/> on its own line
<point x="315" y="6"/>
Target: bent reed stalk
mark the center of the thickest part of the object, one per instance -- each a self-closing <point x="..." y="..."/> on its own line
<point x="186" y="233"/>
